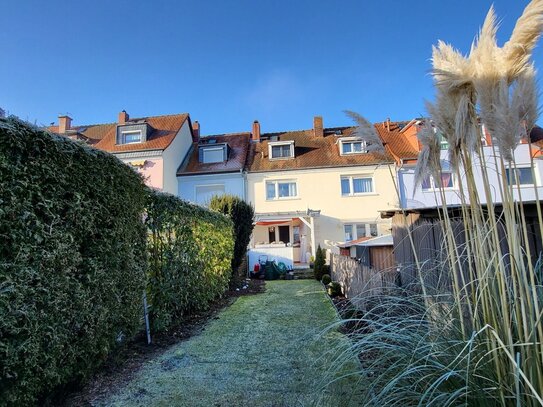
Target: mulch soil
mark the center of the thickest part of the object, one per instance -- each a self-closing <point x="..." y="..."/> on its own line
<point x="124" y="362"/>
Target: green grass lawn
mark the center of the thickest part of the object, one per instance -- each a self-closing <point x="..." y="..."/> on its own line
<point x="264" y="350"/>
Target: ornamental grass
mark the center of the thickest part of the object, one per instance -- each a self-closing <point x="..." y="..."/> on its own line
<point x="475" y="337"/>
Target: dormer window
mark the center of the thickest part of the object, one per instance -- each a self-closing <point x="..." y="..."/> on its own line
<point x="133" y="133"/>
<point x="352" y="146"/>
<point x="130" y="137"/>
<point x="281" y="150"/>
<point x="215" y="153"/>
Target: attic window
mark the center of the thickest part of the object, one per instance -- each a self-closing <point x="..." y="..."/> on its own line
<point x="352" y="146"/>
<point x="216" y="153"/>
<point x="131" y="137"/>
<point x="281" y="150"/>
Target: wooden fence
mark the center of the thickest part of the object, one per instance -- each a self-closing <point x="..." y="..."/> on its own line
<point x="360" y="282"/>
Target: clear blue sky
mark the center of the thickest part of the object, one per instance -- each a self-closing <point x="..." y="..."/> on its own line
<point x="230" y="62"/>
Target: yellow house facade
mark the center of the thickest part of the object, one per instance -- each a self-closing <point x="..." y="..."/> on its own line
<point x="315" y="187"/>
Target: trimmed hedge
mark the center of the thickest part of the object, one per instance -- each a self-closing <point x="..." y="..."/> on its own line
<point x="190" y="252"/>
<point x="243" y="216"/>
<point x="72" y="259"/>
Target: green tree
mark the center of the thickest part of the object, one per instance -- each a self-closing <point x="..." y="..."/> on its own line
<point x="320" y="262"/>
<point x="242" y="215"/>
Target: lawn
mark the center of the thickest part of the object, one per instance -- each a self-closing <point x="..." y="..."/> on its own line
<point x="269" y="349"/>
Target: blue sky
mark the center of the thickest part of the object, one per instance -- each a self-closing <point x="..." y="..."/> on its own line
<point x="228" y="63"/>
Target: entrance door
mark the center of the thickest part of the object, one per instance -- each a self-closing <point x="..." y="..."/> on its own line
<point x="284" y="234"/>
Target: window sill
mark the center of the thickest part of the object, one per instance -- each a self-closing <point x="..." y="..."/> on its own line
<point x="360" y="195"/>
<point x="427" y="191"/>
<point x="283" y="199"/>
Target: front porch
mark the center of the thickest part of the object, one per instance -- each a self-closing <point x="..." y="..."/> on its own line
<point x="287" y="237"/>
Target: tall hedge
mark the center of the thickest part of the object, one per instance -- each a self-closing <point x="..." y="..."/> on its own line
<point x="72" y="259"/>
<point x="190" y="250"/>
<point x="242" y="215"/>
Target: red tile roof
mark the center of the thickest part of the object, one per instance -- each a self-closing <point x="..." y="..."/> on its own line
<point x="400" y="139"/>
<point x="103" y="136"/>
<point x="238" y="144"/>
<point x="310" y="152"/>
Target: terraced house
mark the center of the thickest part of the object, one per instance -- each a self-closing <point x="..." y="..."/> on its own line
<point x="154" y="146"/>
<point x="316" y="186"/>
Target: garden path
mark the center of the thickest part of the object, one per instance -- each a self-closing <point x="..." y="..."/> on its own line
<point x="268" y="349"/>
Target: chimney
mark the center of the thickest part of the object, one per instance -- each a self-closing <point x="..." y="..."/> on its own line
<point x="387" y="123"/>
<point x="255" y="135"/>
<point x="64" y="123"/>
<point x="318" y="129"/>
<point x="123" y="117"/>
<point x="195" y="131"/>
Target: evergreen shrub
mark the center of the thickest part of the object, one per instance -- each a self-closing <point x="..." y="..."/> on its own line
<point x="72" y="259"/>
<point x="242" y="215"/>
<point x="326" y="279"/>
<point x="190" y="252"/>
<point x="320" y="262"/>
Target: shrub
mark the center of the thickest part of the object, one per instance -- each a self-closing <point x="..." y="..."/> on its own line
<point x="334" y="289"/>
<point x="320" y="261"/>
<point x="242" y="215"/>
<point x="326" y="279"/>
<point x="72" y="259"/>
<point x="190" y="252"/>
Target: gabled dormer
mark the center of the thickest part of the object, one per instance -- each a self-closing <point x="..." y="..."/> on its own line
<point x="209" y="152"/>
<point x="280" y="150"/>
<point x="131" y="132"/>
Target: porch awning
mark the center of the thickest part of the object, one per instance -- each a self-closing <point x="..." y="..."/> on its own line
<point x="272" y="222"/>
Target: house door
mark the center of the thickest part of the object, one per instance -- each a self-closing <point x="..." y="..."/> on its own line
<point x="271" y="234"/>
<point x="284" y="234"/>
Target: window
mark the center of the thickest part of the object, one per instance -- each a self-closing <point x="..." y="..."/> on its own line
<point x="204" y="193"/>
<point x="296" y="234"/>
<point x="129" y="137"/>
<point x="443" y="143"/>
<point x="366" y="230"/>
<point x="356" y="185"/>
<point x="360" y="230"/>
<point x="281" y="190"/>
<point x="446" y="181"/>
<point x="281" y="150"/>
<point x="352" y="147"/>
<point x="520" y="176"/>
<point x="213" y="155"/>
<point x="348" y="232"/>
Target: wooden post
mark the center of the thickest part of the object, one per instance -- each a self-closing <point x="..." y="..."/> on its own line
<point x="146" y="316"/>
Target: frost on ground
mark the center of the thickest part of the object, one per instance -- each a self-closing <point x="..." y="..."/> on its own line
<point x="264" y="350"/>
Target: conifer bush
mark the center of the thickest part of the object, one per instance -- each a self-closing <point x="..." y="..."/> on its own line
<point x="190" y="252"/>
<point x="320" y="262"/>
<point x="72" y="259"/>
<point x="242" y="215"/>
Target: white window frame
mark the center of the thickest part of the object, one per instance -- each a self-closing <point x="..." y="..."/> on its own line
<point x="352" y="140"/>
<point x="433" y="187"/>
<point x="276" y="184"/>
<point x="367" y="229"/>
<point x="272" y="144"/>
<point x="124" y="133"/>
<point x="214" y="148"/>
<point x="351" y="185"/>
<point x="521" y="167"/>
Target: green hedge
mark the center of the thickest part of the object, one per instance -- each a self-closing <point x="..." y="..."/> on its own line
<point x="72" y="259"/>
<point x="242" y="215"/>
<point x="190" y="251"/>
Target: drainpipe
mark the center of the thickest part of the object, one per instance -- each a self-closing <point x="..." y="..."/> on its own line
<point x="313" y="243"/>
